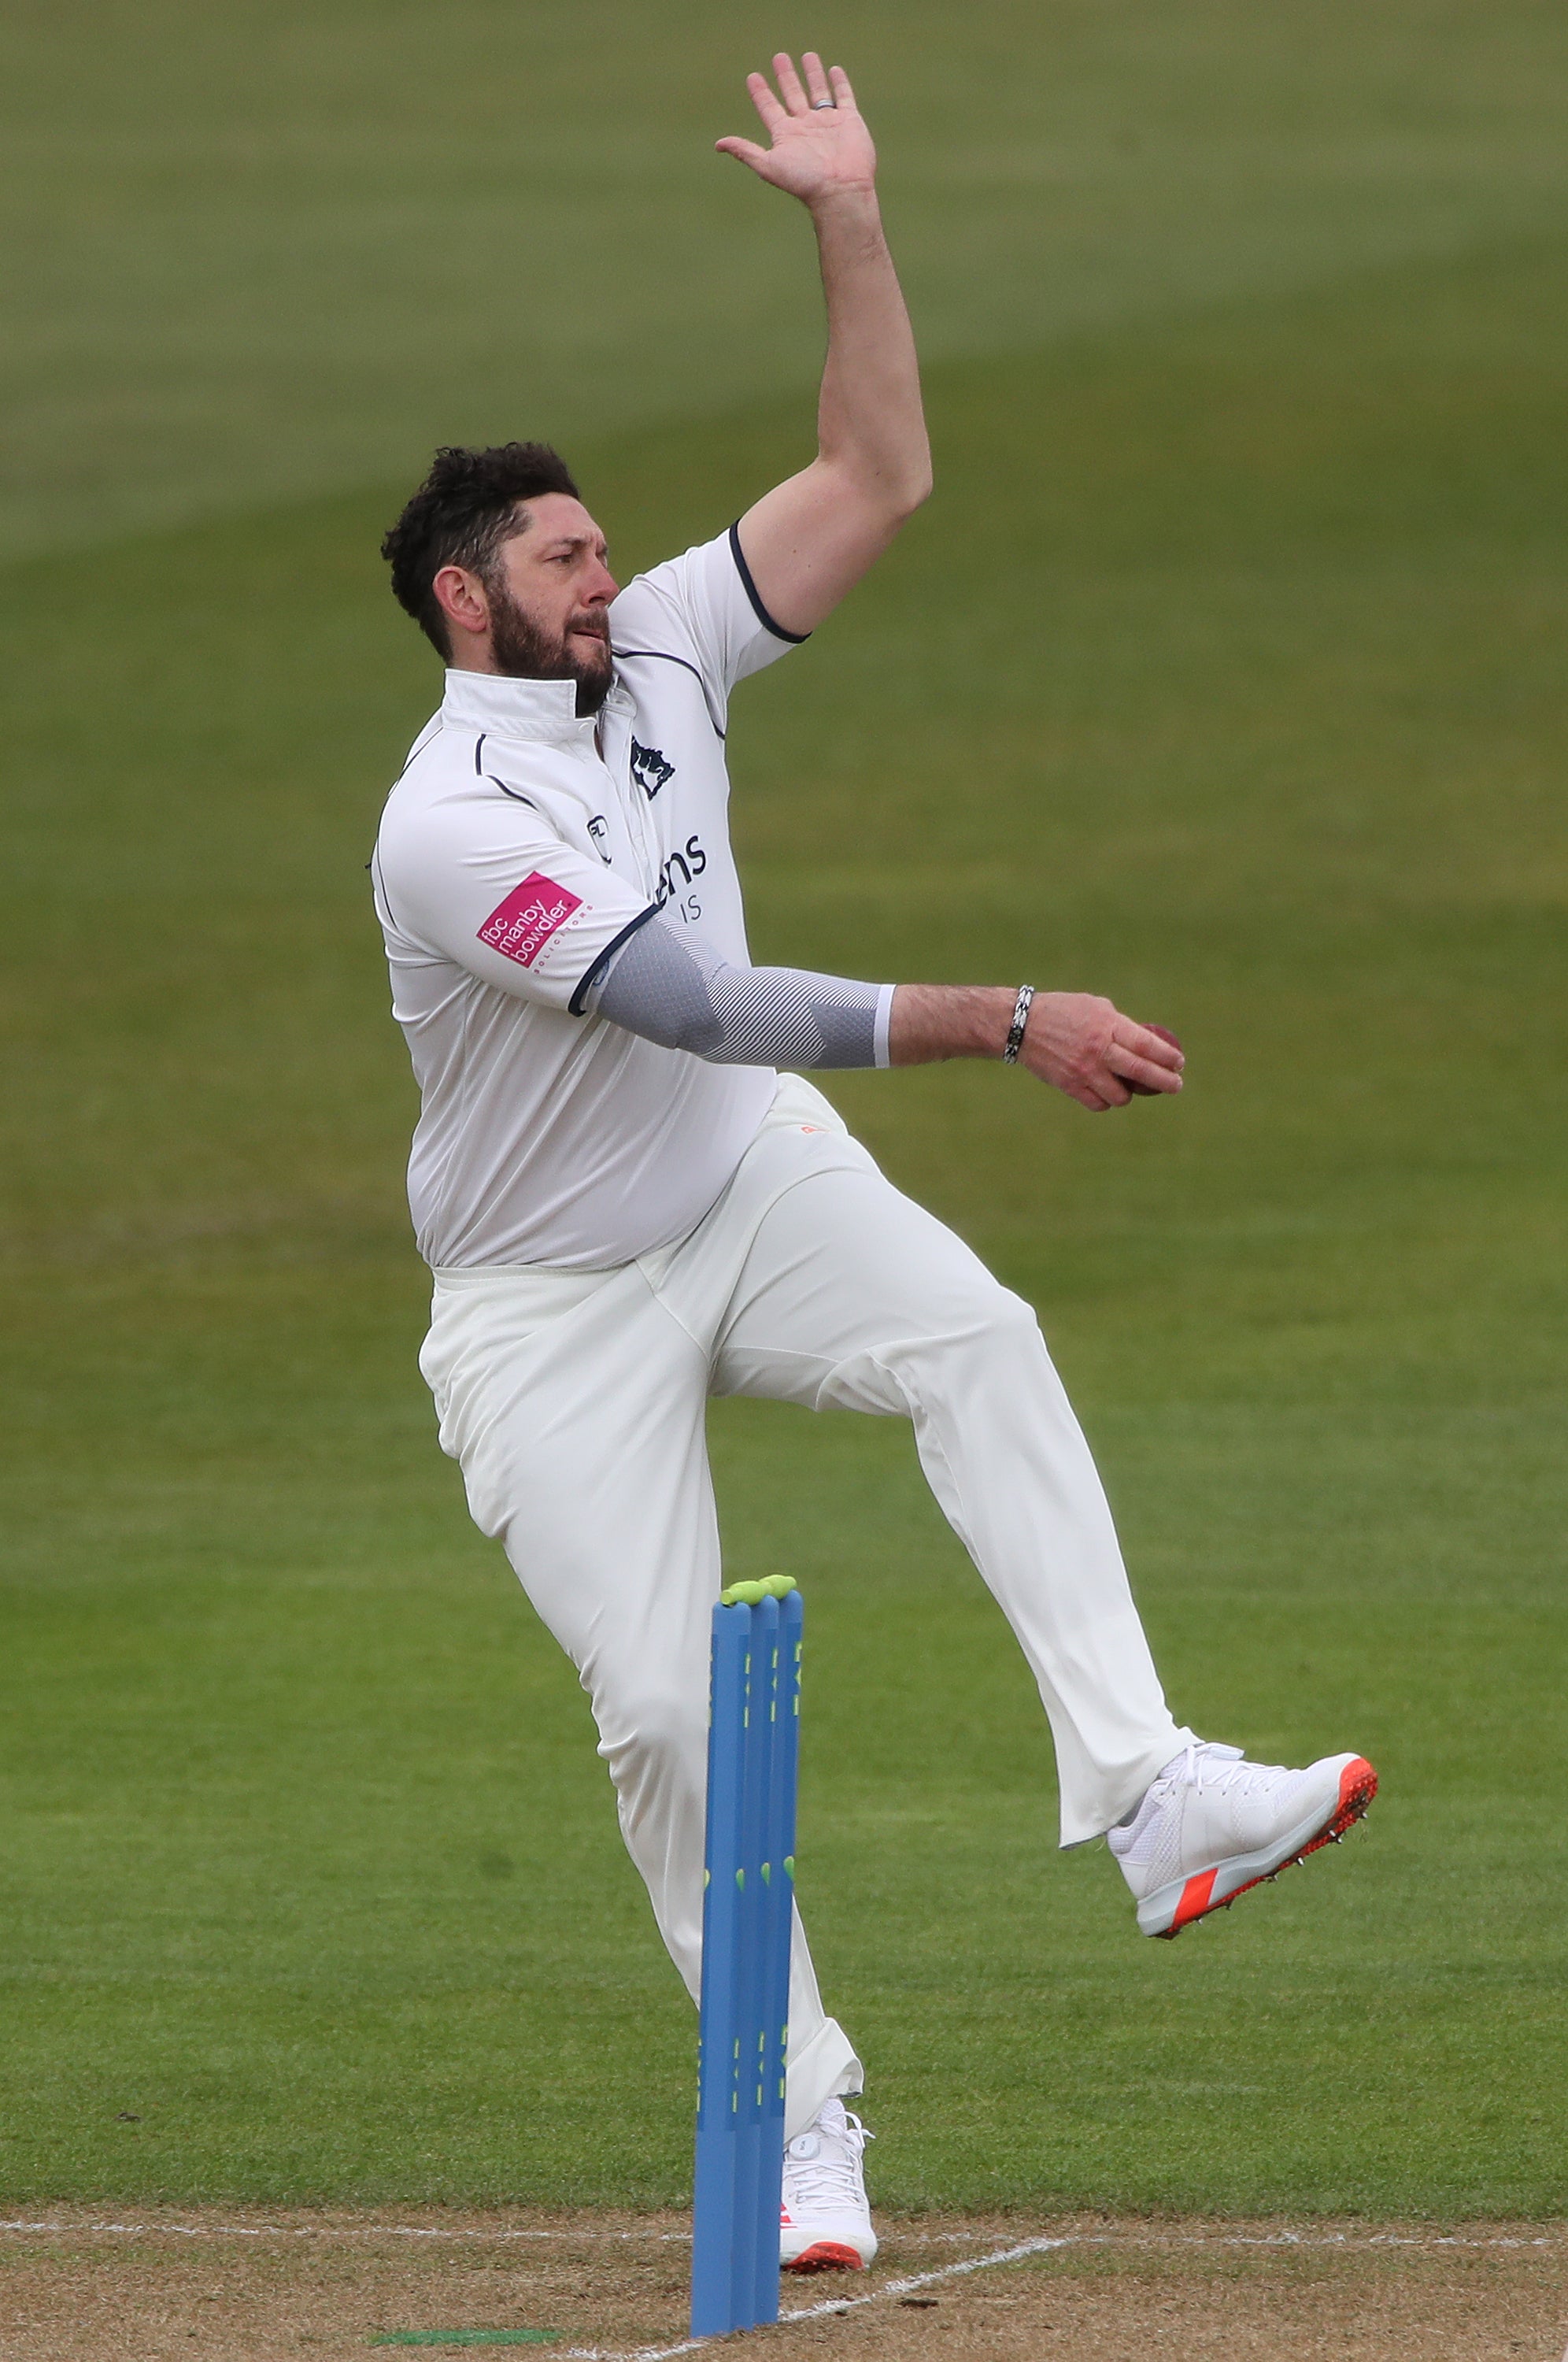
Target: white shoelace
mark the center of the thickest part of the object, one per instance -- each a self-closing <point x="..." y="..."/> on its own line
<point x="829" y="2182"/>
<point x="1203" y="1763"/>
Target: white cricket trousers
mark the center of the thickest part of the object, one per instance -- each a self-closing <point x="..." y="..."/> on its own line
<point x="575" y="1402"/>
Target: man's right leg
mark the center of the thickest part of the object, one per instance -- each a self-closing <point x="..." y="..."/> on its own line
<point x="576" y="1406"/>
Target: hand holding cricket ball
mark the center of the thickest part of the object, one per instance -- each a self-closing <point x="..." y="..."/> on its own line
<point x="1150" y="1091"/>
<point x="1085" y="1045"/>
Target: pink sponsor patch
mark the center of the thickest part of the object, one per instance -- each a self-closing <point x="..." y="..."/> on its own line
<point x="520" y="927"/>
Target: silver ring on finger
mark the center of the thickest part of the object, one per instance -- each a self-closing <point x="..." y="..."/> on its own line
<point x="818" y="105"/>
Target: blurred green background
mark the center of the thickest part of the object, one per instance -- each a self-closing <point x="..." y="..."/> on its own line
<point x="1224" y="674"/>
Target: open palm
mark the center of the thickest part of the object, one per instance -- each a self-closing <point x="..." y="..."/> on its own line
<point x="819" y="142"/>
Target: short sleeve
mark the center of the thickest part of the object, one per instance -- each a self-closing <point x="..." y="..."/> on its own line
<point x="703" y="608"/>
<point x="491" y="887"/>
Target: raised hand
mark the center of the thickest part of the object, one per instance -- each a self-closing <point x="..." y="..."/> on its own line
<point x="820" y="143"/>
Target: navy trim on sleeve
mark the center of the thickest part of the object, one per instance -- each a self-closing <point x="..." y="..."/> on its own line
<point x="662" y="656"/>
<point x="592" y="976"/>
<point x="763" y="617"/>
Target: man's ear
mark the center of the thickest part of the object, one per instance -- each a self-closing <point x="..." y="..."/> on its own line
<point x="461" y="599"/>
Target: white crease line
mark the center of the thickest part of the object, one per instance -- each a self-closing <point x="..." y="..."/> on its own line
<point x="830" y="2304"/>
<point x="1037" y="2247"/>
<point x="326" y="2231"/>
<point x="1300" y="2239"/>
<point x="585" y="2234"/>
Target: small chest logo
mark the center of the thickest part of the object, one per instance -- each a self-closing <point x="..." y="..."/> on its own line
<point x="520" y="927"/>
<point x="650" y="769"/>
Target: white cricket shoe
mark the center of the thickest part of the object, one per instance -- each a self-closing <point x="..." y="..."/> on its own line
<point x="1211" y="1825"/>
<point x="824" y="2223"/>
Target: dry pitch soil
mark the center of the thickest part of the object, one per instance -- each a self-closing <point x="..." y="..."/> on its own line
<point x="146" y="2285"/>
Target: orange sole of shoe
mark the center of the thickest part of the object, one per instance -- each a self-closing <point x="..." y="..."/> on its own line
<point x="825" y="2256"/>
<point x="1358" y="1785"/>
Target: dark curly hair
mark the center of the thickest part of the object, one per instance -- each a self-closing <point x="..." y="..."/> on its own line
<point x="459" y="517"/>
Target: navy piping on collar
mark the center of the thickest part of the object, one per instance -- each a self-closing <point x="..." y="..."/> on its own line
<point x="592" y="975"/>
<point x="763" y="617"/>
<point x="664" y="658"/>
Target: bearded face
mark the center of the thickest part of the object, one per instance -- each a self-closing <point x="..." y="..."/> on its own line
<point x="528" y="650"/>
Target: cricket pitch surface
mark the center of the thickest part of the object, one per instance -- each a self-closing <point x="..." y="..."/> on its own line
<point x="143" y="2284"/>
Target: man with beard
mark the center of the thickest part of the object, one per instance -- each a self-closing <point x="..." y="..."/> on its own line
<point x="627" y="1208"/>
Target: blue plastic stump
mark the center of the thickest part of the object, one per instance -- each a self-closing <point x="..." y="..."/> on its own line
<point x="751" y="1979"/>
<point x="777" y="1912"/>
<point x="752" y="1754"/>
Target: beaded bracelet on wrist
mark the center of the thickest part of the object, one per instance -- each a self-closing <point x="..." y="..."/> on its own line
<point x="1019" y="1019"/>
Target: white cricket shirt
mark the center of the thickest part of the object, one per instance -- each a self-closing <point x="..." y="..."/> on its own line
<point x="516" y="853"/>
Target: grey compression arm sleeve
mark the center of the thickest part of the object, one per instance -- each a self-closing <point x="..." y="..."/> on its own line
<point x="672" y="990"/>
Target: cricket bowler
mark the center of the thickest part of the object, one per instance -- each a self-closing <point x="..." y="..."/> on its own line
<point x="630" y="1200"/>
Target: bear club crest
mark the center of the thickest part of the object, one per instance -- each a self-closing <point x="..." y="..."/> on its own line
<point x="650" y="769"/>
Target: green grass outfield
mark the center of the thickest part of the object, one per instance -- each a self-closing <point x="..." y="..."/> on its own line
<point x="1226" y="674"/>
